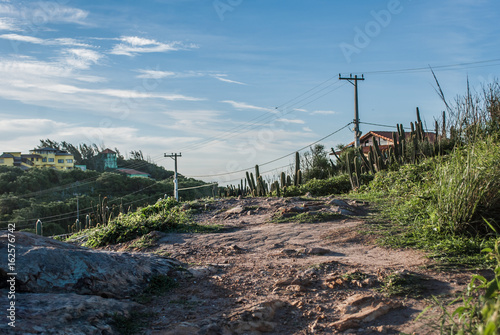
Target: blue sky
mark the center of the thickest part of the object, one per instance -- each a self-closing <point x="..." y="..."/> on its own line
<point x="231" y="83"/>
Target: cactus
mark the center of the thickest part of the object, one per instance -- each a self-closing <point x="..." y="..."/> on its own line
<point x="250" y="184"/>
<point x="366" y="163"/>
<point x="39" y="227"/>
<point x="357" y="170"/>
<point x="443" y="130"/>
<point x="261" y="187"/>
<point x="371" y="162"/>
<point x="283" y="180"/>
<point x="297" y="161"/>
<point x="296" y="178"/>
<point x="288" y="181"/>
<point x="88" y="221"/>
<point x="397" y="155"/>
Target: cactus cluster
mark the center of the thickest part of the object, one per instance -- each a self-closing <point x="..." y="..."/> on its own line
<point x="256" y="186"/>
<point x="407" y="149"/>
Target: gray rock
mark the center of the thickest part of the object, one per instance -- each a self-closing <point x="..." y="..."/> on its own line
<point x="44" y="265"/>
<point x="236" y="210"/>
<point x="60" y="314"/>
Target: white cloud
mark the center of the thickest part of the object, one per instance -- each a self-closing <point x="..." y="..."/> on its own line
<point x="40" y="41"/>
<point x="7" y="24"/>
<point x="222" y="77"/>
<point x="157" y="74"/>
<point x="37" y="14"/>
<point x="133" y="45"/>
<point x="154" y="74"/>
<point x="81" y="58"/>
<point x="296" y="121"/>
<point x="243" y="105"/>
<point x="300" y="110"/>
<point x="322" y="112"/>
<point x="307" y="129"/>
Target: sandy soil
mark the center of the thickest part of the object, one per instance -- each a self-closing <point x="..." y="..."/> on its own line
<point x="258" y="277"/>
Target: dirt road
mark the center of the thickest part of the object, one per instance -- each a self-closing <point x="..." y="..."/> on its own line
<point x="264" y="275"/>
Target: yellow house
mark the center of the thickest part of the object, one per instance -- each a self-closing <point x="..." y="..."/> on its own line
<point x="50" y="157"/>
<point x="6" y="159"/>
<point x="44" y="157"/>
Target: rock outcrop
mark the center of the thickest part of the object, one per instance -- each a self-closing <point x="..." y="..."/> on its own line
<point x="67" y="289"/>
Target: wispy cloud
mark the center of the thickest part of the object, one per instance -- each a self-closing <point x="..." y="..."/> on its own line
<point x="133" y="45"/>
<point x="52" y="84"/>
<point x="295" y="121"/>
<point x="7" y="24"/>
<point x="323" y="112"/>
<point x="154" y="74"/>
<point x="40" y="41"/>
<point x="243" y="105"/>
<point x="157" y="74"/>
<point x="222" y="77"/>
<point x="81" y="58"/>
<point x="35" y="15"/>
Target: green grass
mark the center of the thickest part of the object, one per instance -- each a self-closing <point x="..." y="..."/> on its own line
<point x="307" y="217"/>
<point x="403" y="284"/>
<point x="133" y="324"/>
<point x="165" y="216"/>
<point x="412" y="199"/>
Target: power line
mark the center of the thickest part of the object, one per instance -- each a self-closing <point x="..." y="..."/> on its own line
<point x="439" y="67"/>
<point x="274" y="160"/>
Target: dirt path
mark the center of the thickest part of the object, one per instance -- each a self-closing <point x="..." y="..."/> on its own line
<point x="291" y="278"/>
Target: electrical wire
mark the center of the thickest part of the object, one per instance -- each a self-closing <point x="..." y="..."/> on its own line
<point x="274" y="160"/>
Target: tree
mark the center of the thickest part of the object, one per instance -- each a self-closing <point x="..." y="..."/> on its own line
<point x="316" y="164"/>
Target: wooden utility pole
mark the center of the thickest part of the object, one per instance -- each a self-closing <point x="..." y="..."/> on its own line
<point x="176" y="183"/>
<point x="354" y="81"/>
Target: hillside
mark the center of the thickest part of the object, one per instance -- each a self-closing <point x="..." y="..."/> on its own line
<point x="57" y="197"/>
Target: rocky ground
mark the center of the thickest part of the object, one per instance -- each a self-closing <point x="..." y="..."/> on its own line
<point x="259" y="275"/>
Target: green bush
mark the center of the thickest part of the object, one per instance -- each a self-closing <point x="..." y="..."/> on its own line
<point x="467" y="188"/>
<point x="322" y="187"/>
<point x="164" y="216"/>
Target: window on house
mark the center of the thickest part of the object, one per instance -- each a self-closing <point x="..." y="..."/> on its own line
<point x="60" y="161"/>
<point x="44" y="160"/>
<point x="51" y="160"/>
<point x="69" y="161"/>
<point x="1" y="161"/>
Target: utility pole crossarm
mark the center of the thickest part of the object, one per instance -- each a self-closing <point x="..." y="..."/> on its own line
<point x="354" y="81"/>
<point x="176" y="183"/>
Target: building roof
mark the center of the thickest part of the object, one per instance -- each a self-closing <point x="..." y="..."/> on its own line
<point x="108" y="151"/>
<point x="4" y="155"/>
<point x="45" y="149"/>
<point x="131" y="171"/>
<point x="387" y="135"/>
<point x="30" y="156"/>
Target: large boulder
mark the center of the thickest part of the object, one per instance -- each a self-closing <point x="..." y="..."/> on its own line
<point x="44" y="265"/>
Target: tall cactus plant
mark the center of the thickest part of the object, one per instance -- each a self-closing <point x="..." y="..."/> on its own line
<point x="39" y="227"/>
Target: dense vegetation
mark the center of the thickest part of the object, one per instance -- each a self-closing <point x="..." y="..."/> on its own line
<point x="52" y="195"/>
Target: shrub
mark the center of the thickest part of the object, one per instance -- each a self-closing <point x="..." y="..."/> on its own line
<point x="467" y="188"/>
<point x="165" y="216"/>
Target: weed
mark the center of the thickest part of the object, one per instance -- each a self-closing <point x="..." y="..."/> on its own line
<point x="479" y="312"/>
<point x="354" y="276"/>
<point x="160" y="284"/>
<point x="307" y="217"/>
<point x="144" y="242"/>
<point x="132" y="324"/>
<point x="404" y="284"/>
